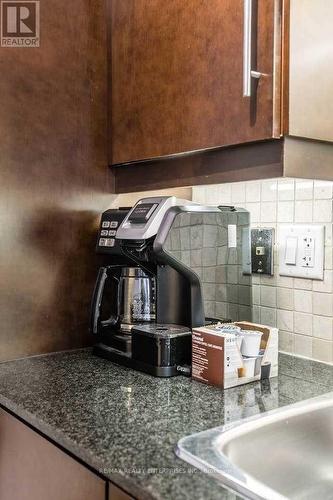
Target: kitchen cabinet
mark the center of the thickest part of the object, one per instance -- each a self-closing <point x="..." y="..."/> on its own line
<point x="179" y="72"/>
<point x="32" y="468"/>
<point x="311" y="69"/>
<point x="116" y="493"/>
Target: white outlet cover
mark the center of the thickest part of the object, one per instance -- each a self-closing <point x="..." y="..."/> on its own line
<point x="301" y="231"/>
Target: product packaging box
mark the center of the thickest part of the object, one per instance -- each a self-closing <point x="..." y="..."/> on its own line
<point x="227" y="355"/>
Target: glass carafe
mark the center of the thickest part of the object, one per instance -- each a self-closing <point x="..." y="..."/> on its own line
<point x="136" y="297"/>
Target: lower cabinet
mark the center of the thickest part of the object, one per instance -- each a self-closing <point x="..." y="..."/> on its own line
<point x="32" y="468"/>
<point x="116" y="493"/>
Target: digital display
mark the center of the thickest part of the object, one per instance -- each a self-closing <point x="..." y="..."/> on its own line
<point x="141" y="213"/>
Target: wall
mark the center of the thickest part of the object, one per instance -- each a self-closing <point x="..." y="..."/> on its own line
<point x="54" y="179"/>
<point x="301" y="308"/>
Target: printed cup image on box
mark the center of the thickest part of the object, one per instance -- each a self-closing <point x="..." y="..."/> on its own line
<point x="227" y="355"/>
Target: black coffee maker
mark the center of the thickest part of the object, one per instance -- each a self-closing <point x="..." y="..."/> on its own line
<point x="165" y="274"/>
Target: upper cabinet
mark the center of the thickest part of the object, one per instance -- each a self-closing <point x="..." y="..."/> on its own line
<point x="193" y="75"/>
<point x="311" y="69"/>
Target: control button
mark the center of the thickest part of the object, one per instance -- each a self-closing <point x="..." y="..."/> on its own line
<point x="104" y="232"/>
<point x="102" y="242"/>
<point x="113" y="224"/>
<point x="106" y="223"/>
<point x="109" y="242"/>
<point x="111" y="233"/>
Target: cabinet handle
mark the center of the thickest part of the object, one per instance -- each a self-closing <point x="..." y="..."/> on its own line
<point x="248" y="73"/>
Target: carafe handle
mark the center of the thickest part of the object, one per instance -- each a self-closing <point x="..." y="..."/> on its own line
<point x="103" y="275"/>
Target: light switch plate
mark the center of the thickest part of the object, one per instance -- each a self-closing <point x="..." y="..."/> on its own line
<point x="301" y="251"/>
<point x="262" y="241"/>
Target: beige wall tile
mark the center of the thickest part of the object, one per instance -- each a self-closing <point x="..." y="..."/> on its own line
<point x="268" y="212"/>
<point x="303" y="323"/>
<point x="323" y="327"/>
<point x="285" y="298"/>
<point x="322" y="211"/>
<point x="269" y="190"/>
<point x="213" y="195"/>
<point x="268" y="280"/>
<point x="285" y="320"/>
<point x="254" y="209"/>
<point x="328" y="258"/>
<point x="303" y="284"/>
<point x="252" y="191"/>
<point x="304" y="189"/>
<point x="286" y="189"/>
<point x="323" y="190"/>
<point x="303" y="211"/>
<point x="199" y="194"/>
<point x="322" y="350"/>
<point x="256" y="279"/>
<point x="268" y="316"/>
<point x="283" y="281"/>
<point x="303" y="345"/>
<point x="256" y="294"/>
<point x="286" y="341"/>
<point x="285" y="212"/>
<point x="322" y="304"/>
<point x="217" y="194"/>
<point x="238" y="192"/>
<point x="256" y="314"/>
<point x="268" y="296"/>
<point x="303" y="301"/>
<point x="326" y="285"/>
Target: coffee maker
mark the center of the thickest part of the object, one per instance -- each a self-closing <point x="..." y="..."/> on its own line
<point x="170" y="265"/>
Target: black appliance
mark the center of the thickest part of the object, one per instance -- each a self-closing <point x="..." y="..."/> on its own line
<point x="172" y="265"/>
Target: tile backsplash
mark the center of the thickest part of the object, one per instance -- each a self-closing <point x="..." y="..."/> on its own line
<point x="301" y="308"/>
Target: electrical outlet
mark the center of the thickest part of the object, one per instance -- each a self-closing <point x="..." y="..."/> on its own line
<point x="308" y="251"/>
<point x="301" y="251"/>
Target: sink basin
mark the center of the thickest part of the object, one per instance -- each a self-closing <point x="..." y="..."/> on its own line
<point x="284" y="453"/>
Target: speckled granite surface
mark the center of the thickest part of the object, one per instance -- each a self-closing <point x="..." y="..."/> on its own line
<point x="126" y="424"/>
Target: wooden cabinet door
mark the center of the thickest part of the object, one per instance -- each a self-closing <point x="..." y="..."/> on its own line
<point x="116" y="493"/>
<point x="177" y="76"/>
<point x="32" y="468"/>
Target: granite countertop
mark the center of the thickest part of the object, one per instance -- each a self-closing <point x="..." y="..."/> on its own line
<point x="125" y="424"/>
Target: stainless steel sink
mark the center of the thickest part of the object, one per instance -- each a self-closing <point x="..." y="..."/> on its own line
<point x="284" y="453"/>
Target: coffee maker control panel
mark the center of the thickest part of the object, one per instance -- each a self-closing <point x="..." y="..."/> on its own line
<point x="106" y="239"/>
<point x="145" y="218"/>
<point x="141" y="213"/>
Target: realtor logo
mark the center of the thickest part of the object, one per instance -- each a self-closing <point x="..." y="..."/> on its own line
<point x="19" y="23"/>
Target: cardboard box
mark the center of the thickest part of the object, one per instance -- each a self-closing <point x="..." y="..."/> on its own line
<point x="217" y="357"/>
